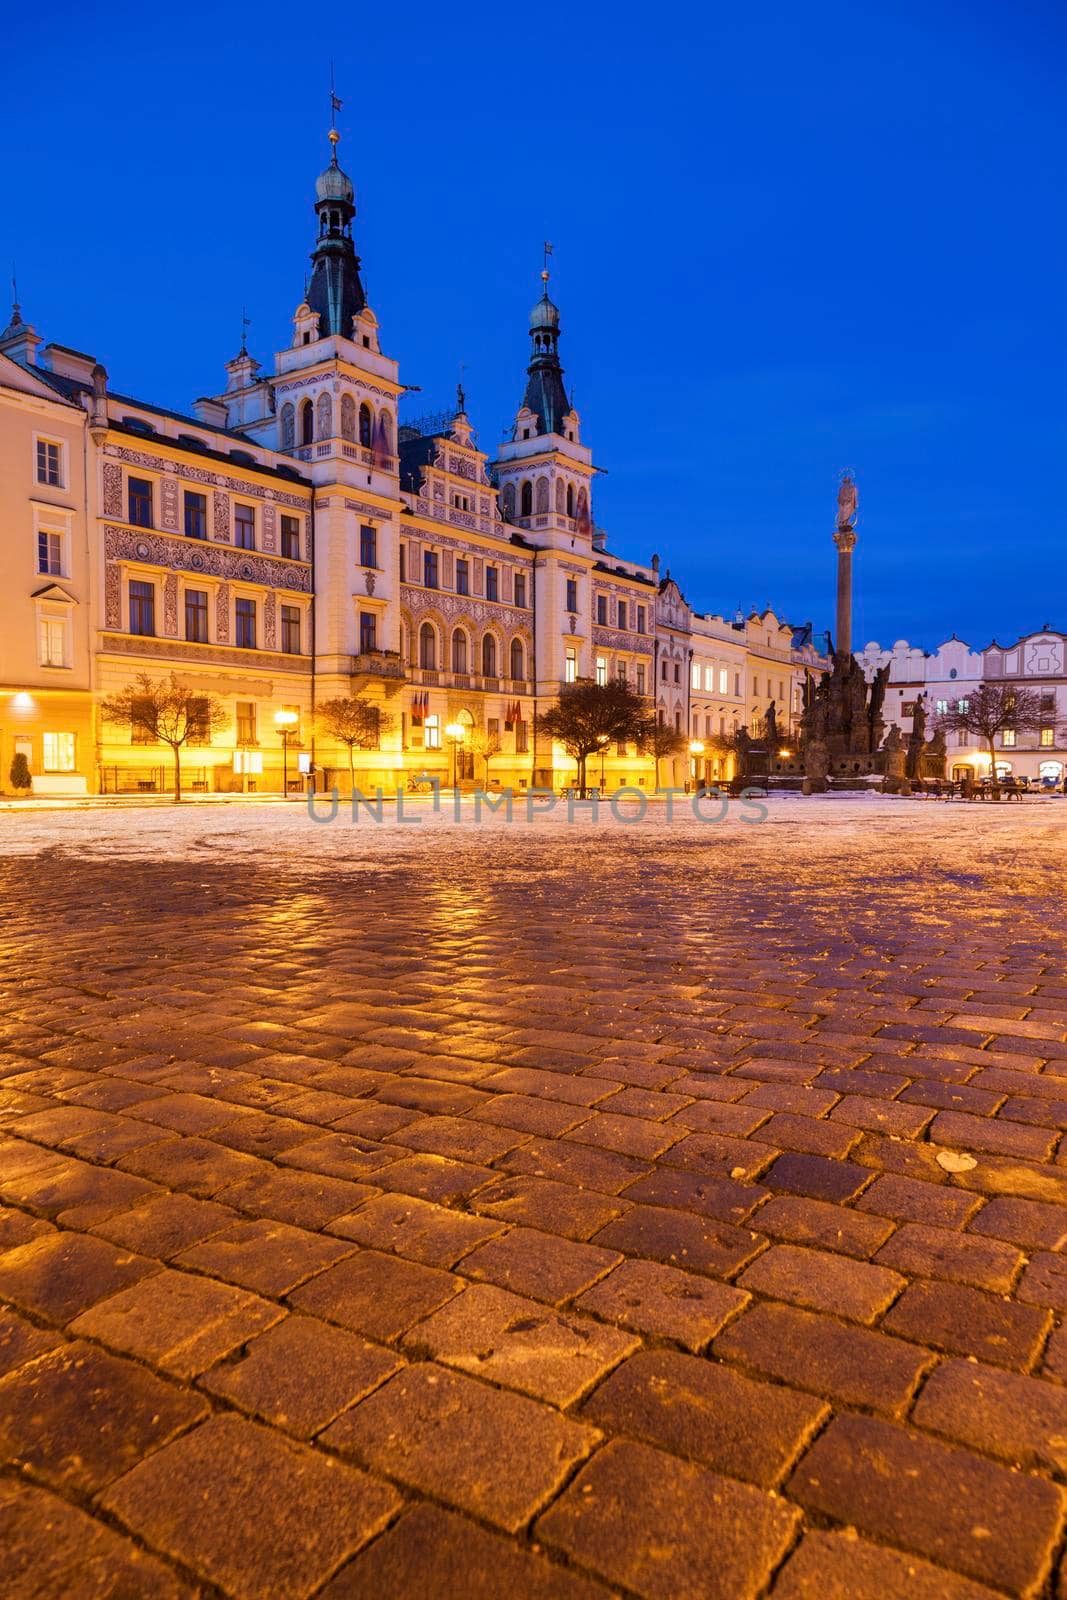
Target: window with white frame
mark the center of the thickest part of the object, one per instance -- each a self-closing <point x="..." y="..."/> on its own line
<point x="59" y="752"/>
<point x="601" y="669"/>
<point x="724" y="681"/>
<point x="570" y="665"/>
<point x="50" y="544"/>
<point x="431" y="732"/>
<point x="51" y="528"/>
<point x="53" y="639"/>
<point x="696" y="675"/>
<point x="49" y="462"/>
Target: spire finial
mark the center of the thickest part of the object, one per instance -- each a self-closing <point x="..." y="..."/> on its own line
<point x="461" y="398"/>
<point x="545" y="274"/>
<point x="246" y="323"/>
<point x="16" y="309"/>
<point x="335" y="106"/>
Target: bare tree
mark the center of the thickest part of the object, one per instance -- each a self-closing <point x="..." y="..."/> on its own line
<point x="166" y="711"/>
<point x="588" y="714"/>
<point x="661" y="740"/>
<point x="484" y="744"/>
<point x="991" y="709"/>
<point x="356" y="723"/>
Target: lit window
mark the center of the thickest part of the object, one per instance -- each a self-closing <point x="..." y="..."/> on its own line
<point x="431" y="732"/>
<point x="59" y="749"/>
<point x="696" y="675"/>
<point x="50" y="553"/>
<point x="724" y="681"/>
<point x="53" y="642"/>
<point x="570" y="665"/>
<point x="940" y="706"/>
<point x="50" y="463"/>
<point x="246" y="722"/>
<point x="709" y="679"/>
<point x="601" y="670"/>
<point x="1007" y="738"/>
<point x="1048" y="738"/>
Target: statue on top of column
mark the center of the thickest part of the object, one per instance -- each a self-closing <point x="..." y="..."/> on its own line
<point x="848" y="500"/>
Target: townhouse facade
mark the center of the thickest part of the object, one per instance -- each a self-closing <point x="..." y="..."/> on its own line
<point x="295" y="540"/>
<point x="950" y="674"/>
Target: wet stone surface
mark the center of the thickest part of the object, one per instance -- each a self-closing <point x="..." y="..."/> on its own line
<point x="655" y="1211"/>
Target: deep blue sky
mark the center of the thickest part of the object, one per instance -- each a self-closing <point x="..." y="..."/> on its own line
<point x="789" y="239"/>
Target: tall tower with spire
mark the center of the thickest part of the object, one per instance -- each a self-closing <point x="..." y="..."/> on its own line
<point x="335" y="291"/>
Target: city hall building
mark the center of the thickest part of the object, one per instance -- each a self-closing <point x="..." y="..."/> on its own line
<point x="292" y="541"/>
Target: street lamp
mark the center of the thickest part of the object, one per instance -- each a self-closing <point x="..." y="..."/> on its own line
<point x="285" y="722"/>
<point x="456" y="734"/>
<point x="696" y="750"/>
<point x="602" y="740"/>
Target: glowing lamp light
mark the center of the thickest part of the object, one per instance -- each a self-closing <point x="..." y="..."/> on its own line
<point x="784" y="753"/>
<point x="286" y="719"/>
<point x="22" y="702"/>
<point x="456" y="730"/>
<point x="696" y="748"/>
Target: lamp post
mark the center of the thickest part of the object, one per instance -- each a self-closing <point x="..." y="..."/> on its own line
<point x="285" y="722"/>
<point x="696" y="750"/>
<point x="602" y="740"/>
<point x="456" y="734"/>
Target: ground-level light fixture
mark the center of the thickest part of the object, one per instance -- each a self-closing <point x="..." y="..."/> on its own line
<point x="285" y="722"/>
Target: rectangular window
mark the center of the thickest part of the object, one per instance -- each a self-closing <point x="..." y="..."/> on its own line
<point x="429" y="569"/>
<point x="142" y="607"/>
<point x="142" y="723"/>
<point x="291" y="538"/>
<point x="572" y="594"/>
<point x="1048" y="738"/>
<point x="246" y="722"/>
<point x="431" y="733"/>
<point x="244" y="526"/>
<point x="368" y="546"/>
<point x="709" y="679"/>
<point x="50" y="463"/>
<point x="663" y="671"/>
<point x="196" y="616"/>
<point x="724" y="681"/>
<point x="368" y="632"/>
<point x="53" y="642"/>
<point x="621" y="669"/>
<point x="463" y="576"/>
<point x="640" y="619"/>
<point x="677" y="673"/>
<point x="403" y="563"/>
<point x="622" y="614"/>
<point x="244" y="613"/>
<point x="640" y="677"/>
<point x="695" y="680"/>
<point x="195" y="515"/>
<point x="50" y="553"/>
<point x="1007" y="738"/>
<point x="59" y="749"/>
<point x="602" y="609"/>
<point x="291" y="630"/>
<point x="963" y="705"/>
<point x="520" y="588"/>
<point x="199" y="722"/>
<point x="601" y="670"/>
<point x="737" y="684"/>
<point x="492" y="583"/>
<point x="940" y="706"/>
<point x="570" y="665"/>
<point x="139" y="502"/>
<point x="522" y="738"/>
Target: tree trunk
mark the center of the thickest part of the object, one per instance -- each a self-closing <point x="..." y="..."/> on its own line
<point x="993" y="767"/>
<point x="351" y="769"/>
<point x="581" y="772"/>
<point x="177" y="773"/>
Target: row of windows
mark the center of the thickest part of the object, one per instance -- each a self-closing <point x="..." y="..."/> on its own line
<point x="431" y="573"/>
<point x="622" y="614"/>
<point x="426" y="735"/>
<point x="622" y="673"/>
<point x="460" y="654"/>
<point x="704" y="677"/>
<point x="709" y="726"/>
<point x="142" y="597"/>
<point x="140" y="514"/>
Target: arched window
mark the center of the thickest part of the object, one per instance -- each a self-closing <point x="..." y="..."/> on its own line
<point x="582" y="509"/>
<point x="542" y="494"/>
<point x="365" y="425"/>
<point x="427" y="647"/>
<point x="307" y="422"/>
<point x="526" y="499"/>
<point x="385" y="431"/>
<point x="570" y="500"/>
<point x="459" y="651"/>
<point x="488" y="656"/>
<point x="517" y="659"/>
<point x="559" y="494"/>
<point x="509" y="502"/>
<point x="288" y="427"/>
<point x="348" y="417"/>
<point x="324" y="417"/>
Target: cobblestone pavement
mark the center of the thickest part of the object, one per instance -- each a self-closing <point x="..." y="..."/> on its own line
<point x="553" y="1215"/>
